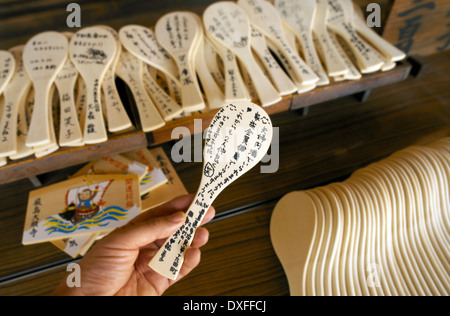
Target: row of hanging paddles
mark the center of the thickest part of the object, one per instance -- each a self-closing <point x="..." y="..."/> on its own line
<point x="249" y="50"/>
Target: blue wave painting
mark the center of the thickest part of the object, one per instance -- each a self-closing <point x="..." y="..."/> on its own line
<point x="102" y="219"/>
<point x="147" y="179"/>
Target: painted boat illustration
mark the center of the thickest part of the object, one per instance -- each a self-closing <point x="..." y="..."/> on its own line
<point x="84" y="202"/>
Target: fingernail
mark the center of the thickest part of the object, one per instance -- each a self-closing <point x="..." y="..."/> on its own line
<point x="177" y="217"/>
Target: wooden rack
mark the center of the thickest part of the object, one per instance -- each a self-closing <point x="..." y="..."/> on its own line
<point x="68" y="157"/>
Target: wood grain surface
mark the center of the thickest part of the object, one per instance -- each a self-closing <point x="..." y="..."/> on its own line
<point x="419" y="27"/>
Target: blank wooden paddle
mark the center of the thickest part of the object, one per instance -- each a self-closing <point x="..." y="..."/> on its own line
<point x="416" y="233"/>
<point x="279" y="78"/>
<point x="332" y="268"/>
<point x="266" y="18"/>
<point x="44" y="56"/>
<point x="420" y="197"/>
<point x="177" y="33"/>
<point x="423" y="179"/>
<point x="299" y="16"/>
<point x="237" y="139"/>
<point x="443" y="183"/>
<point x="228" y="24"/>
<point x="340" y="20"/>
<point x="405" y="285"/>
<point x="130" y="69"/>
<point x="14" y="96"/>
<point x="408" y="262"/>
<point x="92" y="50"/>
<point x="379" y="224"/>
<point x="346" y="269"/>
<point x="293" y="229"/>
<point x="358" y="274"/>
<point x="311" y="277"/>
<point x="410" y="236"/>
<point x="116" y="114"/>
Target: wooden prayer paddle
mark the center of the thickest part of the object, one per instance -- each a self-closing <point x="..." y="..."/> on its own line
<point x="44" y="56"/>
<point x="14" y="97"/>
<point x="237" y="139"/>
<point x="228" y="24"/>
<point x="92" y="50"/>
<point x="177" y="32"/>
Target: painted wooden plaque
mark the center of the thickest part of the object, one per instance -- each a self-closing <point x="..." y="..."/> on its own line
<point x="81" y="206"/>
<point x="419" y="27"/>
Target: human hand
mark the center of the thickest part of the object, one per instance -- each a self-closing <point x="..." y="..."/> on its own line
<point x="118" y="264"/>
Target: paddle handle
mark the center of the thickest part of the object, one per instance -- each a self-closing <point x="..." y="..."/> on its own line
<point x="9" y="121"/>
<point x="167" y="106"/>
<point x="311" y="57"/>
<point x="389" y="51"/>
<point x="292" y="61"/>
<point x="266" y="92"/>
<point x="69" y="130"/>
<point x="117" y="116"/>
<point x="170" y="257"/>
<point x="39" y="131"/>
<point x="280" y="79"/>
<point x="192" y="99"/>
<point x="149" y="116"/>
<point x="22" y="131"/>
<point x="8" y="128"/>
<point x="235" y="89"/>
<point x="213" y="92"/>
<point x="94" y="125"/>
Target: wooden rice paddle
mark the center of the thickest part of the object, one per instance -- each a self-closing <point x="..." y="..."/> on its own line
<point x="299" y="17"/>
<point x="177" y="32"/>
<point x="228" y="24"/>
<point x="237" y="139"/>
<point x="266" y="18"/>
<point x="340" y="20"/>
<point x="14" y="97"/>
<point x="44" y="56"/>
<point x="92" y="50"/>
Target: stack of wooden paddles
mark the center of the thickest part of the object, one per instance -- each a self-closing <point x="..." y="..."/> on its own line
<point x="383" y="232"/>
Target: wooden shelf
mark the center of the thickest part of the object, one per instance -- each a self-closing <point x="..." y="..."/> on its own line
<point x="64" y="158"/>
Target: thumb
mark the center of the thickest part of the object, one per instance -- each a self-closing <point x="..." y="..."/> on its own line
<point x="137" y="235"/>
